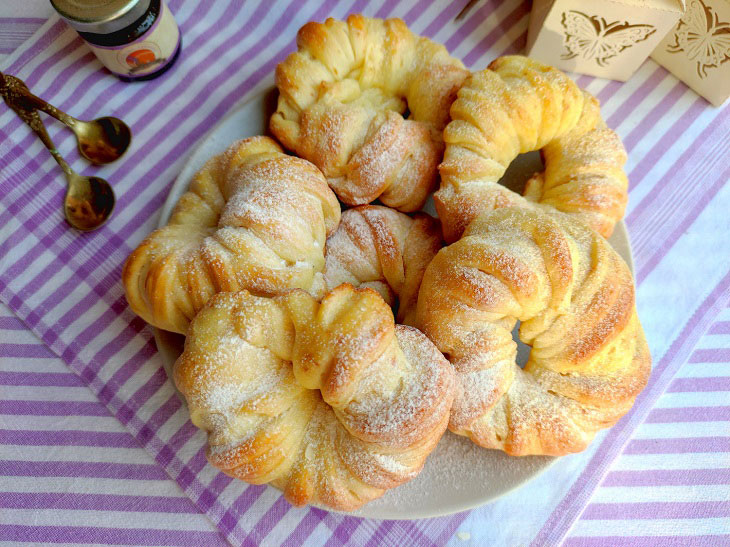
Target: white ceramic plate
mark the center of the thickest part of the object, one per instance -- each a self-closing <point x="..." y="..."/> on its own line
<point x="458" y="475"/>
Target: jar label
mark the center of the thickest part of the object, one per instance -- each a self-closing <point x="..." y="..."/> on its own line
<point x="148" y="54"/>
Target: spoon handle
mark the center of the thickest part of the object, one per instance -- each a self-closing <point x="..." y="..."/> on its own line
<point x="27" y="99"/>
<point x="14" y="99"/>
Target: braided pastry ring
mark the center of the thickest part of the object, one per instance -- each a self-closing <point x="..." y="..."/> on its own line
<point x="253" y="218"/>
<point x="518" y="105"/>
<point x="331" y="402"/>
<point x="575" y="298"/>
<point x="342" y="97"/>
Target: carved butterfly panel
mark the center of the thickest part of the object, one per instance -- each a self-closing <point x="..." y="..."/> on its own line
<point x="591" y="37"/>
<point x="702" y="37"/>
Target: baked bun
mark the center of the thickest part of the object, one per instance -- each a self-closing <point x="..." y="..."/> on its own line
<point x="574" y="297"/>
<point x="515" y="106"/>
<point x="253" y="218"/>
<point x="342" y="98"/>
<point x="385" y="250"/>
<point x="332" y="403"/>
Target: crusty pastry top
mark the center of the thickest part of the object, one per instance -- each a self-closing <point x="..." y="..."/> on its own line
<point x="574" y="297"/>
<point x="253" y="218"/>
<point x="331" y="402"/>
<point x="518" y="105"/>
<point x="342" y="98"/>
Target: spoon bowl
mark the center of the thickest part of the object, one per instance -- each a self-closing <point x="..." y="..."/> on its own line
<point x="89" y="202"/>
<point x="102" y="140"/>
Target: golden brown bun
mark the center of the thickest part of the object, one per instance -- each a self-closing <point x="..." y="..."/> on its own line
<point x="575" y="298"/>
<point x="332" y="403"/>
<point x="515" y="106"/>
<point x="253" y="218"/>
<point x="342" y="97"/>
<point x="385" y="250"/>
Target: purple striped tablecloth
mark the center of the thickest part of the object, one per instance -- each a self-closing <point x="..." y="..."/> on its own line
<point x="65" y="288"/>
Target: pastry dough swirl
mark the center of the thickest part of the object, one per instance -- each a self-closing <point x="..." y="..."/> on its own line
<point x="342" y="100"/>
<point x="518" y="105"/>
<point x="574" y="297"/>
<point x="331" y="402"/>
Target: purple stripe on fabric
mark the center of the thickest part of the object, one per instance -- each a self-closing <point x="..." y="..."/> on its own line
<point x="40" y="379"/>
<point x="559" y="521"/>
<point x="678" y="446"/>
<point x="269" y="519"/>
<point x="342" y="528"/>
<point x="690" y="414"/>
<point x="97" y="502"/>
<point x="46" y="67"/>
<point x="681" y="228"/>
<point x="452" y="524"/>
<point x="305" y="527"/>
<point x="469" y="24"/>
<point x="381" y="532"/>
<point x="31" y="351"/>
<point x="386" y="9"/>
<point x="343" y="531"/>
<point x="657" y="152"/>
<point x="53" y="408"/>
<point x="711" y="355"/>
<point x="132" y="365"/>
<point x="608" y="91"/>
<point x="667" y="477"/>
<point x="634" y="100"/>
<point x="45" y="39"/>
<point x="67" y="438"/>
<point x="440" y="21"/>
<point x="648" y="224"/>
<point x="654" y="116"/>
<point x="412" y="14"/>
<point x="208" y="498"/>
<point x="11" y="323"/>
<point x="163" y="413"/>
<point x="109" y="536"/>
<point x="721" y="327"/>
<point x="648" y="541"/>
<point x="657" y="510"/>
<point x="503" y="26"/>
<point x="718" y="383"/>
<point x="98" y="470"/>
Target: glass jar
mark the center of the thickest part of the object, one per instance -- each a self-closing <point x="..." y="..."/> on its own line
<point x="134" y="39"/>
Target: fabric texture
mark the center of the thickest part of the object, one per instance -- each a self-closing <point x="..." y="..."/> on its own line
<point x="66" y="288"/>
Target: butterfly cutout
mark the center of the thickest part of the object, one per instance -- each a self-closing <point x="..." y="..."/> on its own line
<point x="591" y="37"/>
<point x="702" y="37"/>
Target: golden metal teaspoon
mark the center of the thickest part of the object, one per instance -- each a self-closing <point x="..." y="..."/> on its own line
<point x="100" y="141"/>
<point x="89" y="201"/>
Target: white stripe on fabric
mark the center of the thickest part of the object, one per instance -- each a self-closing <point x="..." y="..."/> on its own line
<point x="650" y="462"/>
<point x="643" y="494"/>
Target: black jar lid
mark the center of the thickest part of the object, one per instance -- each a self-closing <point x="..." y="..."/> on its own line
<point x="101" y="16"/>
